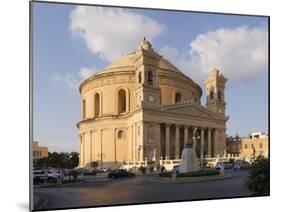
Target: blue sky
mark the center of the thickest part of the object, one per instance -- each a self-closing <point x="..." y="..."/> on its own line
<point x="71" y="43"/>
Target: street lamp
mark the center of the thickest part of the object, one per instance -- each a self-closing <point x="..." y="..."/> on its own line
<point x="101" y="156"/>
<point x="148" y="147"/>
<point x="195" y="139"/>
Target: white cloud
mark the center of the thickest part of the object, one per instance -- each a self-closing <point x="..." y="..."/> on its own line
<point x="84" y="72"/>
<point x="73" y="81"/>
<point x="239" y="53"/>
<point x="111" y="32"/>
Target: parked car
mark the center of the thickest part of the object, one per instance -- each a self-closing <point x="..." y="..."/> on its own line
<point x="54" y="175"/>
<point x="39" y="175"/>
<point x="225" y="165"/>
<point x="241" y="165"/>
<point x="120" y="173"/>
<point x="176" y="168"/>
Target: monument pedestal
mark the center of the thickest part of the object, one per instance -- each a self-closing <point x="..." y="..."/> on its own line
<point x="189" y="161"/>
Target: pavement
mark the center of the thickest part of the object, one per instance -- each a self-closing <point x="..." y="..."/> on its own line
<point x="140" y="189"/>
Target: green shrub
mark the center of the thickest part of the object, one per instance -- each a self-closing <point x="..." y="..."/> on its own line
<point x="52" y="180"/>
<point x="258" y="180"/>
<point x="165" y="174"/>
<point x="74" y="174"/>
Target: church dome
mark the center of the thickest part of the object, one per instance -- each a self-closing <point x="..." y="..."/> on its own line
<point x="127" y="64"/>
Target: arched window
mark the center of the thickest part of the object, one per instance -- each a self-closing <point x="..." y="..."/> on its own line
<point x="84" y="108"/>
<point x="150" y="78"/>
<point x="121" y="134"/>
<point x="211" y="95"/>
<point x="121" y="101"/>
<point x="139" y="78"/>
<point x="97" y="105"/>
<point x="177" y="98"/>
<point x="219" y="95"/>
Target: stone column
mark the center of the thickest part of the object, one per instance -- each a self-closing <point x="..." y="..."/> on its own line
<point x="202" y="144"/>
<point x="81" y="150"/>
<point x="177" y="147"/>
<point x="101" y="149"/>
<point x="134" y="142"/>
<point x="157" y="140"/>
<point x="209" y="143"/>
<point x="83" y="140"/>
<point x="215" y="142"/>
<point x="130" y="144"/>
<point x="185" y="134"/>
<point x="91" y="146"/>
<point x="167" y="142"/>
<point x="194" y="139"/>
<point x="141" y="137"/>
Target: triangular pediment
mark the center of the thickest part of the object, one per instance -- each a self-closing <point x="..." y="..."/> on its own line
<point x="191" y="109"/>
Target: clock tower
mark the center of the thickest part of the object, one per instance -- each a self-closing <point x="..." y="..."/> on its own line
<point x="215" y="85"/>
<point x="146" y="76"/>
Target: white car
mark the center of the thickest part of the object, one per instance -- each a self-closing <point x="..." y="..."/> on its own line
<point x="54" y="175"/>
<point x="40" y="175"/>
<point x="224" y="165"/>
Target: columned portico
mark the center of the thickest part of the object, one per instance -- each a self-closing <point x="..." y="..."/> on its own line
<point x="168" y="140"/>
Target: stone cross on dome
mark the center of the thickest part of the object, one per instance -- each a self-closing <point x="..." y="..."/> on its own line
<point x="145" y="44"/>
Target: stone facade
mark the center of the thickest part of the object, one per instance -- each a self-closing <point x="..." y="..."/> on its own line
<point x="256" y="144"/>
<point x="142" y="108"/>
<point x="39" y="151"/>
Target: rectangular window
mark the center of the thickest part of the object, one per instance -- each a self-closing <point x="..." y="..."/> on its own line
<point x="84" y="109"/>
<point x="260" y="145"/>
<point x="252" y="145"/>
<point x="246" y="146"/>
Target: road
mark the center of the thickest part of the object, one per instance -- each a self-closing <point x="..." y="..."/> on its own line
<point x="140" y="189"/>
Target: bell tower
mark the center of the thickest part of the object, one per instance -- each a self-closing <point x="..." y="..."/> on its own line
<point x="215" y="85"/>
<point x="146" y="75"/>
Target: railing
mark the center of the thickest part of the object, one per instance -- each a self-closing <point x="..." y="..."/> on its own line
<point x="169" y="164"/>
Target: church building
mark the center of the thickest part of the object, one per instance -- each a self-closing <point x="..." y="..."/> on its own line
<point x="142" y="108"/>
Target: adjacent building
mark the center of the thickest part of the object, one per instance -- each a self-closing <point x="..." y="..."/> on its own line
<point x="253" y="145"/>
<point x="143" y="108"/>
<point x="39" y="151"/>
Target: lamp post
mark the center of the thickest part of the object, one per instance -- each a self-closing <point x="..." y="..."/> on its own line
<point x="195" y="139"/>
<point x="148" y="147"/>
<point x="101" y="156"/>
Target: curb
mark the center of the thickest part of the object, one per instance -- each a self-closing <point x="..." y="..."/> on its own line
<point x="192" y="179"/>
<point x="50" y="185"/>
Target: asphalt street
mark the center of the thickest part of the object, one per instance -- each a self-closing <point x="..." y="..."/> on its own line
<point x="140" y="189"/>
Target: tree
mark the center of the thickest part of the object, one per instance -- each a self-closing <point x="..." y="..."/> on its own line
<point x="258" y="181"/>
<point x="58" y="160"/>
<point x="74" y="159"/>
<point x="41" y="163"/>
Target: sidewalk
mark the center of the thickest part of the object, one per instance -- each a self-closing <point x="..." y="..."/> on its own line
<point x="39" y="202"/>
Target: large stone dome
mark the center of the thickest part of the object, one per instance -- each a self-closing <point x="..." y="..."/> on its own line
<point x="126" y="63"/>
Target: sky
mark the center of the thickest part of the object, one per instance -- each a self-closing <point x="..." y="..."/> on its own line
<point x="72" y="42"/>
